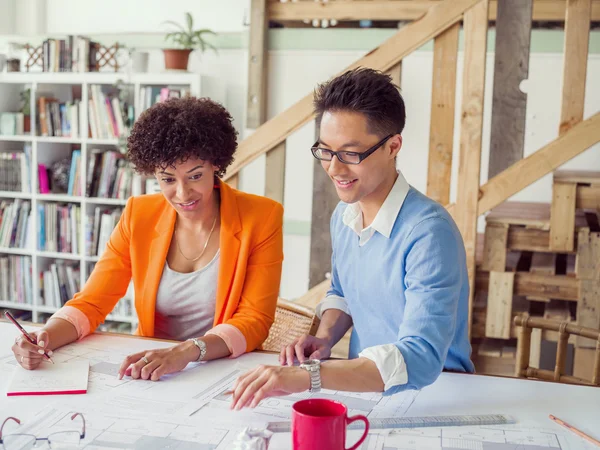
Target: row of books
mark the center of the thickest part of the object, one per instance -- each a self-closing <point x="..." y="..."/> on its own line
<point x="110" y="175"/>
<point x="15" y="223"/>
<point x="150" y="95"/>
<point x="15" y="170"/>
<point x="109" y="116"/>
<point x="98" y="228"/>
<point x="58" y="229"/>
<point x="12" y="124"/>
<point x="15" y="279"/>
<point x="73" y="54"/>
<point x="59" y="284"/>
<point x="56" y="118"/>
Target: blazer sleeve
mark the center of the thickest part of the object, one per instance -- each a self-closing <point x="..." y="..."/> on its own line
<point x="256" y="310"/>
<point x="107" y="283"/>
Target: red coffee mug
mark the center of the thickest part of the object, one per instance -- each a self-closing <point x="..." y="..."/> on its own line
<point x="320" y="424"/>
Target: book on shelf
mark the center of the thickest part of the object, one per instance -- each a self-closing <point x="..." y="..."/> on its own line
<point x="43" y="179"/>
<point x="58" y="229"/>
<point x="60" y="119"/>
<point x="110" y="175"/>
<point x="12" y="124"/>
<point x="73" y="54"/>
<point x="15" y="224"/>
<point x="109" y="116"/>
<point x="59" y="283"/>
<point x="99" y="227"/>
<point x="150" y="95"/>
<point x="15" y="170"/>
<point x="15" y="279"/>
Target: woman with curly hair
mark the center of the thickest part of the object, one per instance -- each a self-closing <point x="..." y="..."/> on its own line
<point x="205" y="259"/>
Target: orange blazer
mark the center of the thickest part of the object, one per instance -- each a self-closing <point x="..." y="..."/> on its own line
<point x="251" y="246"/>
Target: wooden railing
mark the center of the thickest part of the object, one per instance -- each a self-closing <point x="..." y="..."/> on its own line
<point x="439" y="20"/>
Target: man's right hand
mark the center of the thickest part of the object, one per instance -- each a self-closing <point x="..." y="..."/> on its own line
<point x="30" y="356"/>
<point x="303" y="348"/>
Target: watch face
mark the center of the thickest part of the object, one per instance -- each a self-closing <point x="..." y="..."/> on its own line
<point x="311" y="362"/>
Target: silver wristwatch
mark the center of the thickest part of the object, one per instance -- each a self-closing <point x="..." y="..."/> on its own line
<point x="202" y="346"/>
<point x="313" y="366"/>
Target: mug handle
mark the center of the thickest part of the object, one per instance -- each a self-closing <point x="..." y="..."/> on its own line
<point x="349" y="420"/>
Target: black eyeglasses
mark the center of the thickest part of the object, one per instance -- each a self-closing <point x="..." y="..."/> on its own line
<point x="60" y="439"/>
<point x="324" y="154"/>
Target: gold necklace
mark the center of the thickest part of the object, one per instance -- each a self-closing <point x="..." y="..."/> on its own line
<point x="205" y="244"/>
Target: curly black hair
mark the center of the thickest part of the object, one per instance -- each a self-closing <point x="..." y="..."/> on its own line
<point x="171" y="132"/>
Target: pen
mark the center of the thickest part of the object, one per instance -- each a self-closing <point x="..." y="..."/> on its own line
<point x="581" y="434"/>
<point x="10" y="317"/>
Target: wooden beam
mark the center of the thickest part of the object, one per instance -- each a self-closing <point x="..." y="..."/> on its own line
<point x="509" y="103"/>
<point x="499" y="310"/>
<point x="577" y="36"/>
<point x="475" y="24"/>
<point x="528" y="170"/>
<point x="545" y="10"/>
<point x="441" y="128"/>
<point x="257" y="65"/>
<point x="412" y="36"/>
<point x="396" y="74"/>
<point x="588" y="197"/>
<point x="495" y="247"/>
<point x="275" y="173"/>
<point x="559" y="287"/>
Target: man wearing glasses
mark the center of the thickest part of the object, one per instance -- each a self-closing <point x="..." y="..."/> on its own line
<point x="399" y="273"/>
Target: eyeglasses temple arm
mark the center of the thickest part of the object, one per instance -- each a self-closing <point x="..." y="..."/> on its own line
<point x="82" y="418"/>
<point x="6" y="420"/>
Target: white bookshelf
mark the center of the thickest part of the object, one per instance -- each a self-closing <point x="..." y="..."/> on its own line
<point x="46" y="149"/>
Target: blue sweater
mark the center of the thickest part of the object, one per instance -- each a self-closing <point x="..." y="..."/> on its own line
<point x="411" y="289"/>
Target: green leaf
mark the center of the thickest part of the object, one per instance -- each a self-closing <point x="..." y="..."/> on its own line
<point x="190" y="22"/>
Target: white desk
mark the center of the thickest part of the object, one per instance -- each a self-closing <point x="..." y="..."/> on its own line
<point x="530" y="402"/>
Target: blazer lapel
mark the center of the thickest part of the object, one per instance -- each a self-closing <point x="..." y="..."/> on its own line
<point x="230" y="248"/>
<point x="157" y="256"/>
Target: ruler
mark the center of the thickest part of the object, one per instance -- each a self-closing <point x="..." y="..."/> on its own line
<point x="415" y="422"/>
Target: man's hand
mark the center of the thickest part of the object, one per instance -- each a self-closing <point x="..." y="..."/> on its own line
<point x="160" y="362"/>
<point x="30" y="356"/>
<point x="303" y="348"/>
<point x="268" y="381"/>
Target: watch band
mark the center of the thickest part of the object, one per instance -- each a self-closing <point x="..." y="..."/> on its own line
<point x="201" y="345"/>
<point x="313" y="367"/>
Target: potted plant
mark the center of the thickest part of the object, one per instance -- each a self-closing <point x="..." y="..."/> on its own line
<point x="188" y="40"/>
<point x="26" y="109"/>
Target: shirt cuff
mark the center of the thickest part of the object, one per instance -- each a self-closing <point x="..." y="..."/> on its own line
<point x="332" y="302"/>
<point x="389" y="362"/>
<point x="234" y="339"/>
<point x="76" y="318"/>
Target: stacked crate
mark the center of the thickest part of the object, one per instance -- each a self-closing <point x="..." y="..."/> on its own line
<point x="543" y="259"/>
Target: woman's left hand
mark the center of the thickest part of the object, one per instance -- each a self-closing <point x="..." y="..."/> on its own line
<point x="153" y="364"/>
<point x="268" y="381"/>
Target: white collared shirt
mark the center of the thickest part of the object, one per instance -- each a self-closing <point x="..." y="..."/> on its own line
<point x="388" y="358"/>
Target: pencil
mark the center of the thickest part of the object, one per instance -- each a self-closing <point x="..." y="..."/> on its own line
<point x="581" y="434"/>
<point x="27" y="336"/>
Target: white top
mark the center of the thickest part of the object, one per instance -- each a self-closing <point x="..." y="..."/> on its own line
<point x="185" y="302"/>
<point x="388" y="358"/>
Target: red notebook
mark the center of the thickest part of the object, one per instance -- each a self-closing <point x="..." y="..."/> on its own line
<point x="50" y="379"/>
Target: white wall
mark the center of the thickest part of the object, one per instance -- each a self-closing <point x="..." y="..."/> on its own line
<point x="142" y="16"/>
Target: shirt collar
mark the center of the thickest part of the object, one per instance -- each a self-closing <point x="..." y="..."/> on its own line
<point x="387" y="214"/>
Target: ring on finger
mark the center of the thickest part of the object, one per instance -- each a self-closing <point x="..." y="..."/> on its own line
<point x="145" y="360"/>
<point x="22" y="358"/>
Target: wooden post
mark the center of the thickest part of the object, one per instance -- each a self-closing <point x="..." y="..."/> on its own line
<point x="257" y="64"/>
<point x="275" y="173"/>
<point x="561" y="352"/>
<point x="441" y="128"/>
<point x="577" y="36"/>
<point x="588" y="276"/>
<point x="476" y="26"/>
<point x="325" y="199"/>
<point x="596" y="374"/>
<point x="396" y="74"/>
<point x="513" y="34"/>
<point x="523" y="348"/>
<point x="495" y="247"/>
<point x="562" y="216"/>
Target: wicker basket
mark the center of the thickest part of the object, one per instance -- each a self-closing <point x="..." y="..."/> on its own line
<point x="291" y="322"/>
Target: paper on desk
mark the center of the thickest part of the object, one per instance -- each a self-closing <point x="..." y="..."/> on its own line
<point x="50" y="379"/>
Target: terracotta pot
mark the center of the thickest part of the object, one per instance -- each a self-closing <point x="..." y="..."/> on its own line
<point x="176" y="59"/>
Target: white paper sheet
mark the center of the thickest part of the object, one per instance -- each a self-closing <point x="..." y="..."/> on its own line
<point x="48" y="378"/>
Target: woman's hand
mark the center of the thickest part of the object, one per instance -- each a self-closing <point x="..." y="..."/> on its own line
<point x="30" y="356"/>
<point x="159" y="362"/>
<point x="268" y="381"/>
